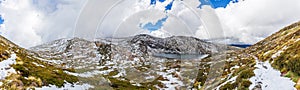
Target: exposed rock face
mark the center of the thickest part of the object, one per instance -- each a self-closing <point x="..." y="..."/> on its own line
<point x="174" y="45"/>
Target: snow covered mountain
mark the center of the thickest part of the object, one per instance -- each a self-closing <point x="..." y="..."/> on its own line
<point x="176" y="45"/>
<point x="148" y="62"/>
<point x="72" y="52"/>
<point x="118" y="59"/>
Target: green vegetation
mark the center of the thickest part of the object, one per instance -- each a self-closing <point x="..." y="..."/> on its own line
<point x="242" y="81"/>
<point x="244" y="64"/>
<point x="286" y="41"/>
<point x="4" y="53"/>
<point x="48" y="74"/>
<point x="126" y="85"/>
<point x="295" y="77"/>
<point x="29" y="74"/>
<point x="229" y="86"/>
<point x="202" y="73"/>
<point x="289" y="62"/>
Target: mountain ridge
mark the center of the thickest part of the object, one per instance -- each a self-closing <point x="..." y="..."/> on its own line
<point x="27" y="71"/>
<point x="137" y="53"/>
<point x="130" y="63"/>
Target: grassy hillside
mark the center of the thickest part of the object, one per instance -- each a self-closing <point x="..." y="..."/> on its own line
<point x="30" y="72"/>
<point x="282" y="50"/>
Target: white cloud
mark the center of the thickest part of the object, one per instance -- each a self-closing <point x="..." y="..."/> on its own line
<point x="21" y="22"/>
<point x="32" y="22"/>
<point x="253" y="20"/>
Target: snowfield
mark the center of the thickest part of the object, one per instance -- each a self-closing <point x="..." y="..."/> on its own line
<point x="269" y="78"/>
<point x="5" y="69"/>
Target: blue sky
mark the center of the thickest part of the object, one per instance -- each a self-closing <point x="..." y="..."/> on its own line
<point x="168" y="7"/>
<point x="216" y="3"/>
<point x="158" y="25"/>
<point x="1" y="20"/>
<point x="213" y="3"/>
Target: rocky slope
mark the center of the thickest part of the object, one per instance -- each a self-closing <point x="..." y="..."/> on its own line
<point x="142" y="61"/>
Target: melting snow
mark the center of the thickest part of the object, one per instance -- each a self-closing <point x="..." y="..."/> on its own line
<point x="90" y="74"/>
<point x="297" y="40"/>
<point x="67" y="86"/>
<point x="172" y="82"/>
<point x="36" y="64"/>
<point x="233" y="79"/>
<point x="5" y="69"/>
<point x="269" y="78"/>
<point x="277" y="54"/>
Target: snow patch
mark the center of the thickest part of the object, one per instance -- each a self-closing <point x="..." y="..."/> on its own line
<point x="297" y="40"/>
<point x="276" y="54"/>
<point x="5" y="68"/>
<point x="267" y="53"/>
<point x="90" y="74"/>
<point x="36" y="64"/>
<point x="67" y="86"/>
<point x="230" y="80"/>
<point x="268" y="78"/>
<point x="172" y="82"/>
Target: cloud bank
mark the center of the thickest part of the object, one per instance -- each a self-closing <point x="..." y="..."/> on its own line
<point x="32" y="22"/>
<point x="253" y="20"/>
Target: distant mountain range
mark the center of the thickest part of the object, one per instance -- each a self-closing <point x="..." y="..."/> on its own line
<point x="148" y="62"/>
